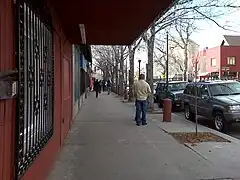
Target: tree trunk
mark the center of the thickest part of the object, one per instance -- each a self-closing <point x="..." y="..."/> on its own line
<point x="185" y="62"/>
<point x="126" y="72"/>
<point x="112" y="74"/>
<point x="131" y="73"/>
<point x="113" y="78"/>
<point x="150" y="48"/>
<point x="108" y="72"/>
<point x="121" y="72"/>
<point x="104" y="73"/>
<point x="116" y="78"/>
<point x="116" y="73"/>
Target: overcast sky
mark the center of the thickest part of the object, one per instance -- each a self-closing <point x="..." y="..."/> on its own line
<point x="211" y="35"/>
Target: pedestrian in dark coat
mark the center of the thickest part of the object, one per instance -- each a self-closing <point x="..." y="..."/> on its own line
<point x="97" y="87"/>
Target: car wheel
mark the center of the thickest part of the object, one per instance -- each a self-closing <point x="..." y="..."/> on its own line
<point x="220" y="123"/>
<point x="188" y="113"/>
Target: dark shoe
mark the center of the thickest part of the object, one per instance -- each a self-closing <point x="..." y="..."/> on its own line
<point x="144" y="124"/>
<point x="138" y="124"/>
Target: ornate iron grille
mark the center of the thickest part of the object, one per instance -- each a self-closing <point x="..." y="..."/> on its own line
<point x="35" y="61"/>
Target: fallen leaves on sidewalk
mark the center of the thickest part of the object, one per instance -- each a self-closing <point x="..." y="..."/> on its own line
<point x="192" y="138"/>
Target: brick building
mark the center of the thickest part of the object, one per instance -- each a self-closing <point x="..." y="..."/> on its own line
<point x="222" y="61"/>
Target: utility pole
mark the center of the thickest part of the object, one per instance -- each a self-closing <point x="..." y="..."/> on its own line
<point x="167" y="65"/>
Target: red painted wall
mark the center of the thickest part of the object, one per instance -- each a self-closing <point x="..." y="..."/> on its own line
<point x="221" y="54"/>
<point x="228" y="51"/>
<point x="44" y="162"/>
<point x="67" y="85"/>
<point x="62" y="48"/>
<point x="7" y="107"/>
<point x="210" y="53"/>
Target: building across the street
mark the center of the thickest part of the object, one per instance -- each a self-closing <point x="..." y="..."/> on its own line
<point x="221" y="62"/>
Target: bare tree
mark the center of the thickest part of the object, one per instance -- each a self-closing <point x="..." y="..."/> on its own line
<point x="195" y="62"/>
<point x="160" y="55"/>
<point x="210" y="10"/>
<point x="123" y="53"/>
<point x="175" y="55"/>
<point x="132" y="49"/>
<point x="180" y="15"/>
<point x="184" y="29"/>
<point x="104" y="60"/>
<point x="110" y="59"/>
<point x="149" y="39"/>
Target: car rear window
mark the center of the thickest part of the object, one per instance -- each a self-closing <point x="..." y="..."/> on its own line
<point x="188" y="89"/>
<point x="177" y="86"/>
<point x="225" y="89"/>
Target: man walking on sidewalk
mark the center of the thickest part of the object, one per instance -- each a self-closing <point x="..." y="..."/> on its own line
<point x="141" y="92"/>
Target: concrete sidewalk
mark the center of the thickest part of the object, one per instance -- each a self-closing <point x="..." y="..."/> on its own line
<point x="105" y="144"/>
<point x="223" y="155"/>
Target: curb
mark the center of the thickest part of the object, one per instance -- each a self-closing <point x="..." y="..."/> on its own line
<point x="225" y="136"/>
<point x="192" y="149"/>
<point x="155" y="112"/>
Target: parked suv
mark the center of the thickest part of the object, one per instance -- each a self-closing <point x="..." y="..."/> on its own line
<point x="218" y="101"/>
<point x="175" y="91"/>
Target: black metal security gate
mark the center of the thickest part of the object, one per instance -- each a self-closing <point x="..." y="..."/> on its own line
<point x="35" y="61"/>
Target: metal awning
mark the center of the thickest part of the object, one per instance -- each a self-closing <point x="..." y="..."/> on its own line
<point x="107" y="22"/>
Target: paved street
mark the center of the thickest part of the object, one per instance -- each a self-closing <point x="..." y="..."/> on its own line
<point x="234" y="131"/>
<point x="104" y="143"/>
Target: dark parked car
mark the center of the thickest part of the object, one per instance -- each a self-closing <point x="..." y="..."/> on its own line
<point x="218" y="101"/>
<point x="175" y="91"/>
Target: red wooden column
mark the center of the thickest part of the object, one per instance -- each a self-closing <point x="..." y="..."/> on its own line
<point x="7" y="107"/>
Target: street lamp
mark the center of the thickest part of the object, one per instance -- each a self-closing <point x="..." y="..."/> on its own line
<point x="139" y="65"/>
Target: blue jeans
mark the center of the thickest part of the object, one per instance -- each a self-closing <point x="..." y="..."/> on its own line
<point x="141" y="108"/>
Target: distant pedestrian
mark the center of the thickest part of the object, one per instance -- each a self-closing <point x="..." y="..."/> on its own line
<point x="108" y="86"/>
<point x="100" y="86"/>
<point x="103" y="85"/>
<point x="97" y="87"/>
<point x="141" y="92"/>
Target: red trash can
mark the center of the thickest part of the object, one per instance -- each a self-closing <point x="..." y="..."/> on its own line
<point x="167" y="110"/>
